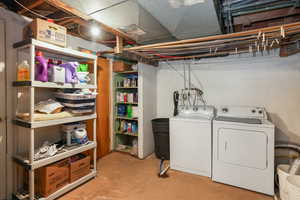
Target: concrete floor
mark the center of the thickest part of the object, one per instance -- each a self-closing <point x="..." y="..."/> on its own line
<point x="122" y="177"/>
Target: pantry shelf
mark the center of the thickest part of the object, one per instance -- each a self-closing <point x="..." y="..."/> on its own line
<point x="127" y="118"/>
<point x="126" y="87"/>
<point x="40" y="124"/>
<point x="65" y="153"/>
<point x="52" y="85"/>
<point x="127" y="133"/>
<point x="134" y="103"/>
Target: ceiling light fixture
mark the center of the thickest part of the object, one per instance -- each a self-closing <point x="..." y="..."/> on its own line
<point x="94" y="30"/>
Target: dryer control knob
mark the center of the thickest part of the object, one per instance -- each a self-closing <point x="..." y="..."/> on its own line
<point x="224" y="110"/>
<point x="253" y="111"/>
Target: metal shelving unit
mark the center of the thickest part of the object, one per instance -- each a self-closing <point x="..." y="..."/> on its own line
<point x="26" y="50"/>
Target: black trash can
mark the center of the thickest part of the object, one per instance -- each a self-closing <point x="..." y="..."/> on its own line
<point x="160" y="127"/>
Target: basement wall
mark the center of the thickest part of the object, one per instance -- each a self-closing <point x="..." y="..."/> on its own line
<point x="268" y="81"/>
<point x="13" y="33"/>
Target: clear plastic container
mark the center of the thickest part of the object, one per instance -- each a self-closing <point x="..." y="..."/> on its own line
<point x="23" y="71"/>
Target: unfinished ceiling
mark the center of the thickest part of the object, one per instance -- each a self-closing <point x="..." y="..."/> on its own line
<point x="155" y="20"/>
<point x="128" y="16"/>
<point x="185" y="18"/>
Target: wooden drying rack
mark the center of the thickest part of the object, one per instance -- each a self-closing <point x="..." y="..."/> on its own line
<point x="253" y="41"/>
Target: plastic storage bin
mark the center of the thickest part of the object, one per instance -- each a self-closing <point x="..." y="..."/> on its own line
<point x="160" y="127"/>
<point x="282" y="171"/>
<point x="77" y="103"/>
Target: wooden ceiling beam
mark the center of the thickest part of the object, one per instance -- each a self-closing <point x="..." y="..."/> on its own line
<point x="72" y="11"/>
<point x="31" y="6"/>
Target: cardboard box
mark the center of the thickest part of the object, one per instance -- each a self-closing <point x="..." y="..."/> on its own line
<point x="51" y="178"/>
<point x="46" y="31"/>
<point x="120" y="66"/>
<point x="80" y="167"/>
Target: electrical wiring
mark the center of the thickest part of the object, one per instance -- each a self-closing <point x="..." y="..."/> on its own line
<point x="39" y="15"/>
<point x="29" y="10"/>
<point x="70" y="17"/>
<point x="44" y="17"/>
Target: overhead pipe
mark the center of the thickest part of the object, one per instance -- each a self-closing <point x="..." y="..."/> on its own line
<point x="235" y="14"/>
<point x="259" y="3"/>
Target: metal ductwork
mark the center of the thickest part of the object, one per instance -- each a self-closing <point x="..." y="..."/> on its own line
<point x="127" y="16"/>
<point x="186" y="18"/>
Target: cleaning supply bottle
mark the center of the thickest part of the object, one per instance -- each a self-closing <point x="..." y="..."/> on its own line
<point x="129" y="111"/>
<point x="70" y="70"/>
<point x="41" y="67"/>
<point x="23" y="71"/>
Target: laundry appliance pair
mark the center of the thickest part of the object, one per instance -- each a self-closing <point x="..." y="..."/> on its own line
<point x="231" y="144"/>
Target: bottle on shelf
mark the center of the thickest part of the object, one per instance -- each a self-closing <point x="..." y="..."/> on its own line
<point x="41" y="67"/>
<point x="23" y="71"/>
<point x="129" y="111"/>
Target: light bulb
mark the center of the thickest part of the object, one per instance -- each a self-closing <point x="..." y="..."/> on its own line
<point x="95" y="30"/>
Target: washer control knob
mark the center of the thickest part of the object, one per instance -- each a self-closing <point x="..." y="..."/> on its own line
<point x="224" y="110"/>
<point x="253" y="111"/>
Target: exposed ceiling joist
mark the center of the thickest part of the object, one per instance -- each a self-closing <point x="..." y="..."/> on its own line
<point x="65" y="7"/>
<point x="31" y="6"/>
<point x="72" y="19"/>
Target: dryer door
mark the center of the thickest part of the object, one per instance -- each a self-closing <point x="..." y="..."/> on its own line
<point x="243" y="148"/>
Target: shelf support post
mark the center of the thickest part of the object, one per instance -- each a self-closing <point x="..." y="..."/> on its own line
<point x="32" y="62"/>
<point x="31" y="184"/>
<point x="95" y="140"/>
<point x="119" y="45"/>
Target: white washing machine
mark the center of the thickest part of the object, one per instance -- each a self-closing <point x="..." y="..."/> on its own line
<point x="243" y="148"/>
<point x="191" y="141"/>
